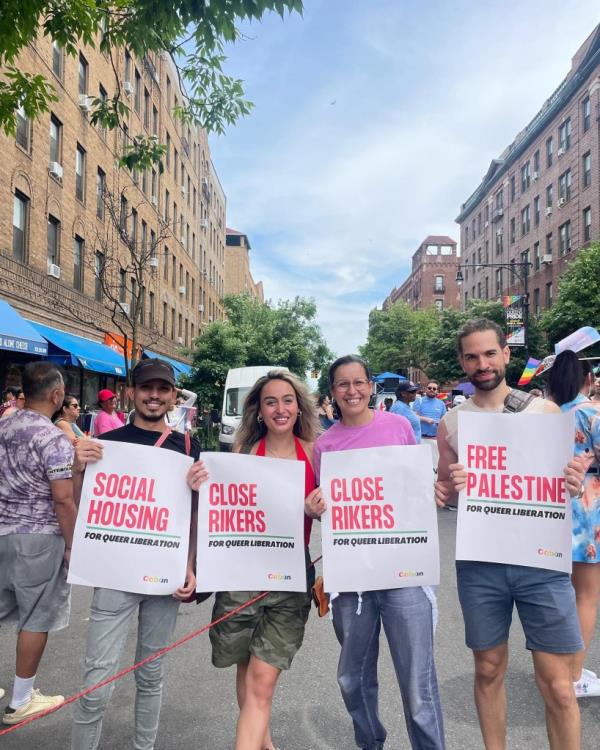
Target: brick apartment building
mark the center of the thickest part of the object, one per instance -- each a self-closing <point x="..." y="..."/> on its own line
<point x="539" y="202"/>
<point x="55" y="179"/>
<point x="432" y="281"/>
<point x="238" y="277"/>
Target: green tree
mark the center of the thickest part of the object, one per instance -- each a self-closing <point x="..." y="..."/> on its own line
<point x="578" y="301"/>
<point x="257" y="333"/>
<point x="191" y="33"/>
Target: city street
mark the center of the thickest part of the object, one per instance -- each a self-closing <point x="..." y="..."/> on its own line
<point x="199" y="709"/>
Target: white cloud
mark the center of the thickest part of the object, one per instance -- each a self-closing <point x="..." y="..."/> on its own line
<point x="341" y="175"/>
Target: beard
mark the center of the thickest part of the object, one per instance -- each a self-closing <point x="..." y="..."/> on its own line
<point x="487" y="385"/>
<point x="151" y="416"/>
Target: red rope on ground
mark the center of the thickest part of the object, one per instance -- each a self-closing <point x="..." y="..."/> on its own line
<point x="139" y="664"/>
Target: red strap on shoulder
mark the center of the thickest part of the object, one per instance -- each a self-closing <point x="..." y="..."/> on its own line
<point x="163" y="436"/>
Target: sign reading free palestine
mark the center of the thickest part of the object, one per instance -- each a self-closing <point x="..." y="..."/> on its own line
<point x="133" y="526"/>
<point x="380" y="527"/>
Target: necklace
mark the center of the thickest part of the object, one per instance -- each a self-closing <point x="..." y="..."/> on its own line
<point x="278" y="455"/>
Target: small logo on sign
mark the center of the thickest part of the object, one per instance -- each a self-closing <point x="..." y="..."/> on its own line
<point x="410" y="573"/>
<point x="549" y="553"/>
<point x="279" y="577"/>
<point x="155" y="579"/>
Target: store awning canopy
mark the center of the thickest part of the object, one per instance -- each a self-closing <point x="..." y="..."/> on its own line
<point x="180" y="367"/>
<point x="17" y="334"/>
<point x="79" y="351"/>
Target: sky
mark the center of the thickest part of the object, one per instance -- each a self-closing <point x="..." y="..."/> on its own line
<point x="374" y="121"/>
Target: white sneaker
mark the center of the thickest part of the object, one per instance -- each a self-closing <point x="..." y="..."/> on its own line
<point x="36" y="705"/>
<point x="589" y="674"/>
<point x="587" y="687"/>
<point x="2" y="693"/>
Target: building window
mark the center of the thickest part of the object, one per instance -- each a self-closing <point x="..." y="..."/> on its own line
<point x="564" y="233"/>
<point x="536" y="301"/>
<point x="466" y="237"/>
<point x="587" y="224"/>
<point x="549" y="294"/>
<point x="166" y="206"/>
<point x="525" y="177"/>
<point x="536" y="256"/>
<point x="549" y="152"/>
<point x="57" y="60"/>
<point x="439" y="304"/>
<point x="154" y="121"/>
<point x="166" y="265"/>
<point x="103" y="96"/>
<point x="499" y="243"/>
<point x="22" y="134"/>
<point x="487" y="287"/>
<point x="80" y="173"/>
<point x="564" y="135"/>
<point x="83" y="75"/>
<point x="498" y="282"/>
<point x="536" y="164"/>
<point x="78" y="257"/>
<point x="586" y="111"/>
<point x="564" y="186"/>
<point x="513" y="230"/>
<point x="173" y="271"/>
<point x="134" y="229"/>
<point x="168" y="92"/>
<point x="536" y="210"/>
<point x="487" y="251"/>
<point x="151" y="310"/>
<point x="173" y="323"/>
<point x="124" y="214"/>
<point x="549" y="244"/>
<point x="525" y="221"/>
<point x="513" y="189"/>
<point x="137" y="93"/>
<point x="525" y="258"/>
<point x="127" y="76"/>
<point x="499" y="200"/>
<point x="587" y="169"/>
<point x="98" y="272"/>
<point x="146" y="108"/>
<point x="20" y="219"/>
<point x="122" y="285"/>
<point x="549" y="196"/>
<point x="53" y="234"/>
<point x="100" y="191"/>
<point x="55" y="139"/>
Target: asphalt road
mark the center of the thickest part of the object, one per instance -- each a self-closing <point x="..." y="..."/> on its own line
<point x="199" y="708"/>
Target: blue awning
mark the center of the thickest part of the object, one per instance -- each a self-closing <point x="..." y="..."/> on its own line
<point x="17" y="334"/>
<point x="79" y="351"/>
<point x="180" y="367"/>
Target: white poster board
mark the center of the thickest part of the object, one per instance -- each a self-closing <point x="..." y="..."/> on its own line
<point x="515" y="508"/>
<point x="251" y="524"/>
<point x="133" y="526"/>
<point x="380" y="527"/>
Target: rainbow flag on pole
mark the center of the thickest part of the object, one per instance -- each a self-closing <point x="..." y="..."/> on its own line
<point x="529" y="371"/>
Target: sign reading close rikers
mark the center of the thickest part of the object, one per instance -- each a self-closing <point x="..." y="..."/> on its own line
<point x="133" y="526"/>
<point x="380" y="527"/>
<point x="251" y="524"/>
<point x="515" y="508"/>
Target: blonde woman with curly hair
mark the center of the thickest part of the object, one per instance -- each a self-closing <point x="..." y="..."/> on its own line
<point x="279" y="420"/>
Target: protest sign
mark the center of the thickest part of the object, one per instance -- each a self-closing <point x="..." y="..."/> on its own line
<point x="251" y="524"/>
<point x="515" y="508"/>
<point x="133" y="526"/>
<point x="380" y="527"/>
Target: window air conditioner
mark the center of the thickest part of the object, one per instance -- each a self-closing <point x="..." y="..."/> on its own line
<point x="154" y="262"/>
<point x="179" y="340"/>
<point x="154" y="201"/>
<point x="85" y="103"/>
<point x="561" y="151"/>
<point x="549" y="211"/>
<point x="124" y="307"/>
<point x="54" y="270"/>
<point x="546" y="259"/>
<point x="181" y="290"/>
<point x="128" y="87"/>
<point x="204" y="223"/>
<point x="486" y="225"/>
<point x="201" y="308"/>
<point x="183" y="190"/>
<point x="500" y="232"/>
<point x="561" y="202"/>
<point x="56" y="170"/>
<point x="535" y="176"/>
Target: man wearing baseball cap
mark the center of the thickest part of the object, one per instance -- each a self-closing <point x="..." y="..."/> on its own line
<point x="406" y="393"/>
<point x="153" y="393"/>
<point x="107" y="418"/>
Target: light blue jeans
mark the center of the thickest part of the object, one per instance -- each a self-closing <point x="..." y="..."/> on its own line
<point x="110" y="616"/>
<point x="407" y="620"/>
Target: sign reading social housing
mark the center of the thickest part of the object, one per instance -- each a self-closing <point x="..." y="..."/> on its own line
<point x="251" y="524"/>
<point x="380" y="527"/>
<point x="515" y="508"/>
<point x="133" y="526"/>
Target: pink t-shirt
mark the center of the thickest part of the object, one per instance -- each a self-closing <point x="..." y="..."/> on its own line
<point x="384" y="429"/>
<point x="105" y="422"/>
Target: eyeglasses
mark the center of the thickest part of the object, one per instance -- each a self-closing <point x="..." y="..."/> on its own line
<point x="344" y="385"/>
<point x="74" y="406"/>
<point x="431" y="388"/>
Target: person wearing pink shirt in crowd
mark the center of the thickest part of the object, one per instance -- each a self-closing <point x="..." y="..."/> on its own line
<point x="107" y="418"/>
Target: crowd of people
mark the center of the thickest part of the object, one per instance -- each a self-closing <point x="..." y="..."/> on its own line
<point x="44" y="459"/>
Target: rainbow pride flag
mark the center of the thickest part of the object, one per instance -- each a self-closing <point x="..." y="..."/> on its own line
<point x="529" y="371"/>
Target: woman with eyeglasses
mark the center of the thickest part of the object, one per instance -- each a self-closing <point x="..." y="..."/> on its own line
<point x="407" y="614"/>
<point x="16" y="403"/>
<point x="66" y="418"/>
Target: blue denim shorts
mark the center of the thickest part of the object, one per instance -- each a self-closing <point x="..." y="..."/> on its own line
<point x="545" y="601"/>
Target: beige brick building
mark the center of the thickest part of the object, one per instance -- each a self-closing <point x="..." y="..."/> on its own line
<point x="539" y="202"/>
<point x="238" y="276"/>
<point x="60" y="184"/>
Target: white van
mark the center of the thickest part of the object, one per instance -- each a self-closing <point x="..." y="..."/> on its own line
<point x="238" y="383"/>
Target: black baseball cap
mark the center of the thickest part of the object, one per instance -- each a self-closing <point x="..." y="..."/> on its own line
<point x="406" y="385"/>
<point x="153" y="369"/>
